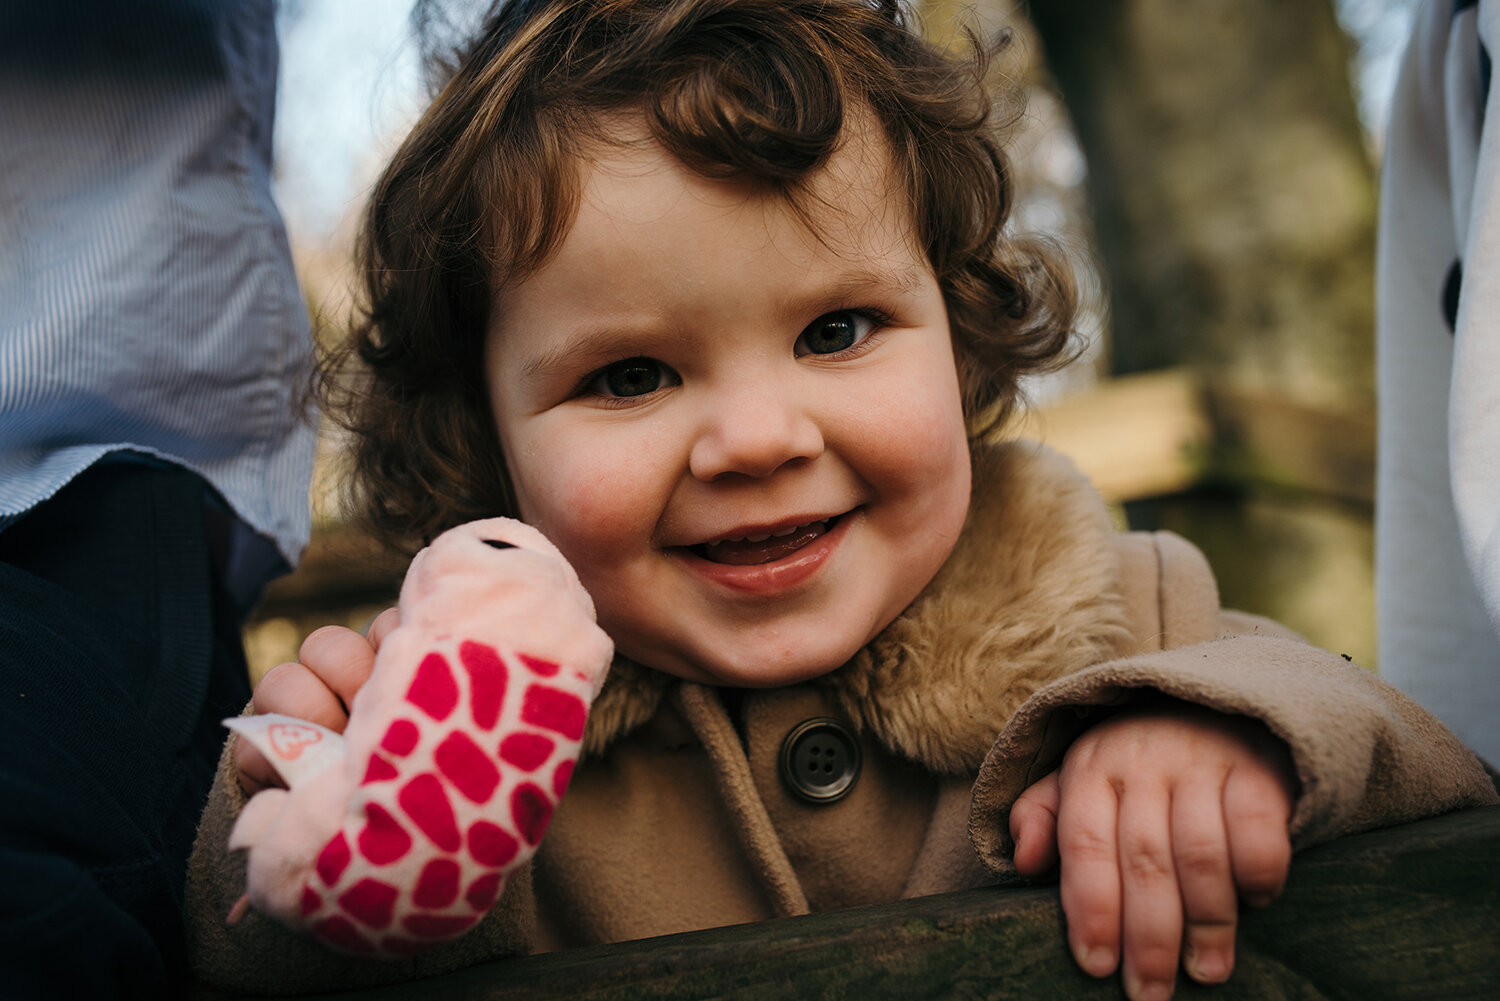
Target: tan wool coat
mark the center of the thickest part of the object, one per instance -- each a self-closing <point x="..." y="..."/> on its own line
<point x="1044" y="620"/>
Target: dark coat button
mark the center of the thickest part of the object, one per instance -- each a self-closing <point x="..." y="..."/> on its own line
<point x="820" y="760"/>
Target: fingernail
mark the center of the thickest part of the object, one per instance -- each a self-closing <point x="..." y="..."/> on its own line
<point x="1209" y="966"/>
<point x="1155" y="990"/>
<point x="1097" y="961"/>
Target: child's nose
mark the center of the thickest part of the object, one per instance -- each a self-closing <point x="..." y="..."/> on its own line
<point x="754" y="432"/>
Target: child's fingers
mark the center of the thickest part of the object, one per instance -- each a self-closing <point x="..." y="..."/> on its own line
<point x="1257" y="807"/>
<point x="297" y="690"/>
<point x="381" y="626"/>
<point x="1151" y="901"/>
<point x="341" y="658"/>
<point x="293" y="690"/>
<point x="255" y="772"/>
<point x="1090" y="873"/>
<point x="1210" y="908"/>
<point x="1033" y="825"/>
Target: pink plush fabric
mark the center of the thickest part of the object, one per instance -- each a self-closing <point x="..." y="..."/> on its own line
<point x="401" y="833"/>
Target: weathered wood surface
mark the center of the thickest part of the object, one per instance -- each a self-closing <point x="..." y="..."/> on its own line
<point x="1405" y="913"/>
<point x="1135" y="436"/>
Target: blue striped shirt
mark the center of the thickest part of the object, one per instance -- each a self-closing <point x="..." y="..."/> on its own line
<point x="147" y="299"/>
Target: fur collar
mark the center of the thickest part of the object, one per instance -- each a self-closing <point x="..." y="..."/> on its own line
<point x="1030" y="593"/>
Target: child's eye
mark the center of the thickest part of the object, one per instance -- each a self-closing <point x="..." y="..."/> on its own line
<point x="631" y="377"/>
<point x="835" y="332"/>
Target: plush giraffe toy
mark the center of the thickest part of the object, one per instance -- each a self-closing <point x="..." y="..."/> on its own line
<point x="402" y="832"/>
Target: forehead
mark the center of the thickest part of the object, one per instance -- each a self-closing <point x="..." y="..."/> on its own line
<point x="854" y="206"/>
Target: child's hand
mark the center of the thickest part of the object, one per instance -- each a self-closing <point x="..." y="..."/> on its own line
<point x="332" y="665"/>
<point x="1164" y="820"/>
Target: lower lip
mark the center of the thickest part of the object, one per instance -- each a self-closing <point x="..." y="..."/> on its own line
<point x="772" y="578"/>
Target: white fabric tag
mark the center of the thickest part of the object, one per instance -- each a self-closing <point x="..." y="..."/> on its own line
<point x="297" y="749"/>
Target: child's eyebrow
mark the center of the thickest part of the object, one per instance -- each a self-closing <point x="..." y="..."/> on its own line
<point x="900" y="280"/>
<point x="592" y="344"/>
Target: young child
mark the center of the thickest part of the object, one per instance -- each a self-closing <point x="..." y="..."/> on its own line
<point x="716" y="295"/>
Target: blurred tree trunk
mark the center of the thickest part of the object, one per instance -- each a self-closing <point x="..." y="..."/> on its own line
<point x="1234" y="206"/>
<point x="1233" y="198"/>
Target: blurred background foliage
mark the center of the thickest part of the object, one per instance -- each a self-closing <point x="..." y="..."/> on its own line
<point x="1210" y="168"/>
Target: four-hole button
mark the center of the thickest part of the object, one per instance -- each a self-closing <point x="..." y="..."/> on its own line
<point x="820" y="760"/>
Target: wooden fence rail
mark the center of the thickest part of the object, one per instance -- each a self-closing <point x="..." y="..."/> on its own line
<point x="1410" y="912"/>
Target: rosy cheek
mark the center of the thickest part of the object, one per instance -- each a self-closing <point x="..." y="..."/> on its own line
<point x="599" y="516"/>
<point x="591" y="512"/>
<point x="930" y="447"/>
<point x="935" y="438"/>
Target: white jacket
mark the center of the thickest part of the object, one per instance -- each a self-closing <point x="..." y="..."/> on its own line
<point x="1438" y="494"/>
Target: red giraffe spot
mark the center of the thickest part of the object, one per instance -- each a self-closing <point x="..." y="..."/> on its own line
<point x="425" y="802"/>
<point x="310" y="900"/>
<point x="487" y="676"/>
<point x="401" y="737"/>
<point x="380" y="770"/>
<point x="383" y="840"/>
<point x="438" y="884"/>
<point x="554" y="710"/>
<point x="526" y="751"/>
<point x="483" y="891"/>
<point x="433" y="690"/>
<point x="437" y="926"/>
<point x="332" y="859"/>
<point x="490" y="845"/>
<point x="340" y="931"/>
<point x="469" y="769"/>
<point x="539" y="667"/>
<point x="561" y="777"/>
<point x="371" y="901"/>
<point x="532" y="810"/>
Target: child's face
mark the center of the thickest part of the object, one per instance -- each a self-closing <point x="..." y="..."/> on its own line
<point x="748" y="442"/>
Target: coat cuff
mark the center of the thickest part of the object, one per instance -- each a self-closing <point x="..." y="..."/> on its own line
<point x="1366" y="755"/>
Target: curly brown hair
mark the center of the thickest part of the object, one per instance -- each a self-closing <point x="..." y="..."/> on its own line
<point x="485" y="187"/>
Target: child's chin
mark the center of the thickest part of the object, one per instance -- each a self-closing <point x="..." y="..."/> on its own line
<point x="748" y="661"/>
<point x="769" y="673"/>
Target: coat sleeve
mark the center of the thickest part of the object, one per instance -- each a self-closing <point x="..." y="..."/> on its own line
<point x="1366" y="754"/>
<point x="259" y="956"/>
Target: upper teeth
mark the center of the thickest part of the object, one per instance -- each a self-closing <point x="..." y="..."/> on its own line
<point x="762" y="537"/>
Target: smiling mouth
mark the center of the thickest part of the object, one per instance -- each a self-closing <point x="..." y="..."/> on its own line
<point x="754" y="550"/>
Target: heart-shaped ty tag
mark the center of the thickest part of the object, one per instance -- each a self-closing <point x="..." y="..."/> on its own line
<point x="297" y="749"/>
<point x="288" y="739"/>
